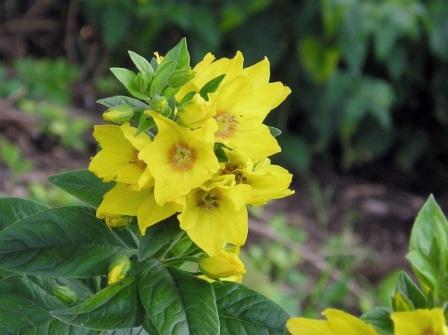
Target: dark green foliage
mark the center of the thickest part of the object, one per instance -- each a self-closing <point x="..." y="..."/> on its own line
<point x="368" y="75"/>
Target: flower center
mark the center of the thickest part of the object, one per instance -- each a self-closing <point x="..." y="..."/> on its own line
<point x="139" y="163"/>
<point x="208" y="200"/>
<point x="429" y="331"/>
<point x="227" y="124"/>
<point x="181" y="156"/>
<point x="240" y="177"/>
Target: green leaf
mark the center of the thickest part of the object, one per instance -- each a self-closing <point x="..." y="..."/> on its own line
<point x="379" y="317"/>
<point x="132" y="331"/>
<point x="15" y="209"/>
<point x="275" y="131"/>
<point x="179" y="54"/>
<point x="180" y="78"/>
<point x="176" y="302"/>
<point x="221" y="153"/>
<point x="157" y="237"/>
<point x="82" y="184"/>
<point x="65" y="242"/>
<point x="211" y="86"/>
<point x="428" y="248"/>
<point x="408" y="288"/>
<point x="119" y="100"/>
<point x="32" y="303"/>
<point x="127" y="77"/>
<point x="117" y="306"/>
<point x="296" y="151"/>
<point x="163" y="73"/>
<point x="142" y="65"/>
<point x="145" y="122"/>
<point x="243" y="311"/>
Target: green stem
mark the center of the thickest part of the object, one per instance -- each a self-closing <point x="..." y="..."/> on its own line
<point x="172" y="244"/>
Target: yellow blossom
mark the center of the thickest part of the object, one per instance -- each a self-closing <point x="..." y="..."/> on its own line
<point x="208" y="69"/>
<point x="419" y="322"/>
<point x="337" y="323"/>
<point x="240" y="127"/>
<point x="267" y="181"/>
<point x="241" y="102"/>
<point x="225" y="265"/>
<point x="179" y="158"/>
<point x="216" y="214"/>
<point x="118" y="160"/>
<point x="122" y="200"/>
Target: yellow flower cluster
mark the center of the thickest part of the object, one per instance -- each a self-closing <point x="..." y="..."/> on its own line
<point x="418" y="322"/>
<point x="178" y="170"/>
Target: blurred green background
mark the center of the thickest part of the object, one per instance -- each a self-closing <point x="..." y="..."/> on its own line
<point x="365" y="129"/>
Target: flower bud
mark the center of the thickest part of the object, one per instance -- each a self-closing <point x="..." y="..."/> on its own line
<point x="196" y="111"/>
<point x="119" y="114"/>
<point x="65" y="294"/>
<point x="222" y="266"/>
<point x="117" y="221"/>
<point x="118" y="269"/>
<point x="159" y="104"/>
<point x="158" y="58"/>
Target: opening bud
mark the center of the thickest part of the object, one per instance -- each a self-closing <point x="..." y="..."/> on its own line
<point x="119" y="114"/>
<point x="118" y="269"/>
<point x="117" y="221"/>
<point x="224" y="265"/>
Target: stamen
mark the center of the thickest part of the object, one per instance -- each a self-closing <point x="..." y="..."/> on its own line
<point x="181" y="156"/>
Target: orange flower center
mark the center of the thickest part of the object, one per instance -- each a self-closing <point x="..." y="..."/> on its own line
<point x="430" y="331"/>
<point x="227" y="124"/>
<point x="181" y="156"/>
<point x="139" y="163"/>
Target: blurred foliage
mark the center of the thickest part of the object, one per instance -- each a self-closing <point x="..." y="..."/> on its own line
<point x="369" y="76"/>
<point x="280" y="266"/>
<point x="12" y="157"/>
<point x="41" y="88"/>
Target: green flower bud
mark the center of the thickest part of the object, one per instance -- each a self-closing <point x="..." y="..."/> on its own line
<point x="159" y="104"/>
<point x="65" y="294"/>
<point x="119" y="114"/>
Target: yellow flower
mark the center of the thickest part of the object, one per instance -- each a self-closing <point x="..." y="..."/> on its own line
<point x="267" y="181"/>
<point x="239" y="113"/>
<point x="179" y="158"/>
<point x="118" y="160"/>
<point x="196" y="112"/>
<point x="208" y="69"/>
<point x="122" y="200"/>
<point x="420" y="322"/>
<point x="216" y="214"/>
<point x="225" y="265"/>
<point x="337" y="323"/>
<point x="241" y="102"/>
